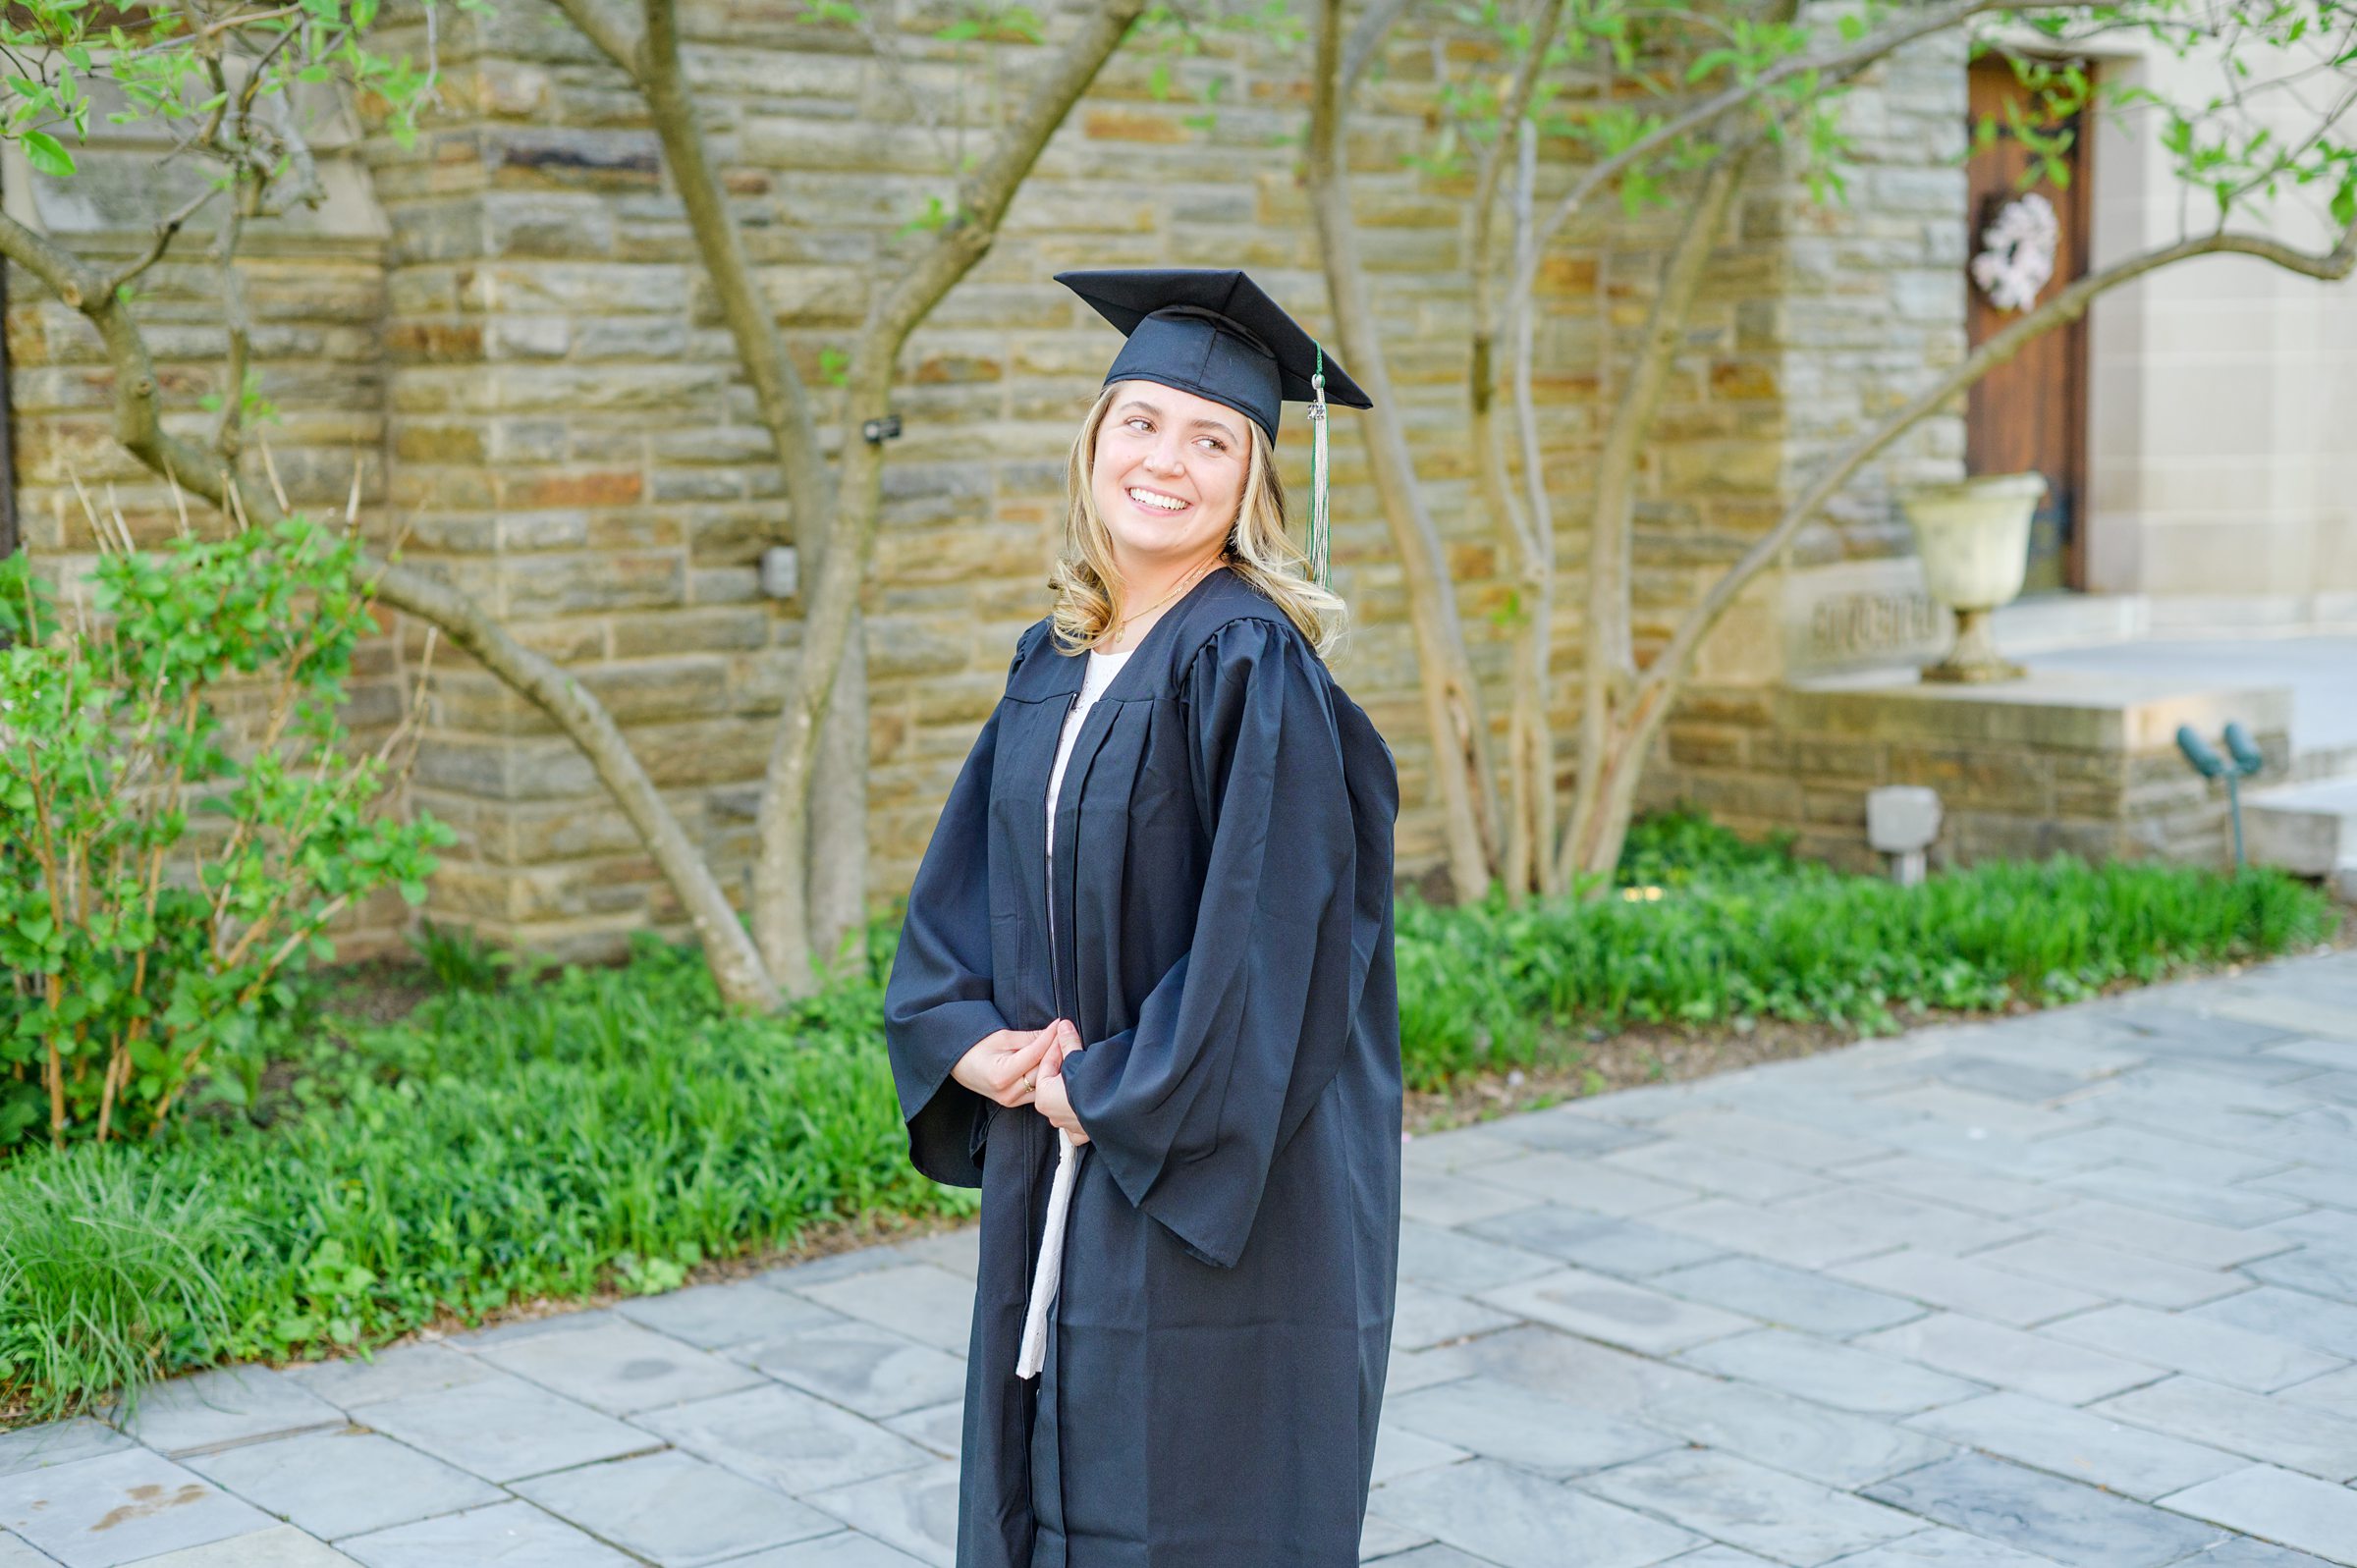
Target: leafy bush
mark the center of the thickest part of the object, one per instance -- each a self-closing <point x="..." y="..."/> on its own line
<point x="551" y="1136"/>
<point x="1482" y="987"/>
<point x="601" y="1128"/>
<point x="139" y="944"/>
<point x="104" y="1278"/>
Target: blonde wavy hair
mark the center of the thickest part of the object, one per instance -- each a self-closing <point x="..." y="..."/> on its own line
<point x="1258" y="550"/>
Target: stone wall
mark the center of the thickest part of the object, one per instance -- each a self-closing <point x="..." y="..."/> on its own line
<point x="547" y="410"/>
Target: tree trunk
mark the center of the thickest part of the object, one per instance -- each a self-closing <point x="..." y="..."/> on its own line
<point x="1460" y="761"/>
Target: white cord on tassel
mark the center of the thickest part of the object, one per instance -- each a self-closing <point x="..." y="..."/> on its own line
<point x="1319" y="547"/>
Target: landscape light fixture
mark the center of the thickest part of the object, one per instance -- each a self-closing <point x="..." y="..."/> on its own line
<point x="2246" y="760"/>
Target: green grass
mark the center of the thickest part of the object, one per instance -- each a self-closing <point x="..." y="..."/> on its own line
<point x="523" y="1135"/>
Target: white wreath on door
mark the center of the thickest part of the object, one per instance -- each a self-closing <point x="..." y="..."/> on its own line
<point x="2020" y="252"/>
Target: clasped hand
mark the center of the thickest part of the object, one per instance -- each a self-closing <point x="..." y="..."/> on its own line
<point x="1025" y="1067"/>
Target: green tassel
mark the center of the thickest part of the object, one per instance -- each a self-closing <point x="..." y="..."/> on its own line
<point x="1318" y="545"/>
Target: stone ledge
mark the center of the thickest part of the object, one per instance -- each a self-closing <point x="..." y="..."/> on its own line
<point x="2069" y="710"/>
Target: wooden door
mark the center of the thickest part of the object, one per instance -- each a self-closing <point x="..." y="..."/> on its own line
<point x="2030" y="412"/>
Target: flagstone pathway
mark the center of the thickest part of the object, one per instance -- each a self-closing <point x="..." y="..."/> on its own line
<point x="2077" y="1288"/>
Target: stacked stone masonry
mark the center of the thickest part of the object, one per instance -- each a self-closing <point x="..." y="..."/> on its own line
<point x="519" y="352"/>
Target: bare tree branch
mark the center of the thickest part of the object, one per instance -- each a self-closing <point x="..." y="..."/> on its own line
<point x="1651" y="701"/>
<point x="781" y="913"/>
<point x="1846" y="59"/>
<point x="1452" y="706"/>
<point x="614" y="38"/>
<point x="139" y="428"/>
<point x="1367" y="41"/>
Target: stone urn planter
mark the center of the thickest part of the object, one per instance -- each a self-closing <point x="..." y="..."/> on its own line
<point x="1974" y="538"/>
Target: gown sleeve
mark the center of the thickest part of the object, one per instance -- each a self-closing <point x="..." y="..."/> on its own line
<point x="1237" y="1041"/>
<point x="938" y="1002"/>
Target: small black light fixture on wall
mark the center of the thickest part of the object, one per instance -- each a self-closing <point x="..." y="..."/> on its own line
<point x="2245" y="760"/>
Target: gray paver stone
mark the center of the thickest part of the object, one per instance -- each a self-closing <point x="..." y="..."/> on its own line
<point x="619" y="1368"/>
<point x="2188" y="1241"/>
<point x="1518" y="1520"/>
<point x="2278" y="1505"/>
<point x="2042" y="1514"/>
<point x="2077" y="1445"/>
<point x="1615" y="1311"/>
<point x="917" y="1512"/>
<point x="1959" y="1187"/>
<point x="2212" y="1201"/>
<point x="283" y="1547"/>
<point x="1942" y="1547"/>
<point x="845" y="1548"/>
<point x="958" y="1251"/>
<point x="1577" y="1371"/>
<point x="2012" y="1358"/>
<point x="1800" y="1239"/>
<point x="1760" y="1509"/>
<point x="2319" y="1271"/>
<point x="344" y="1483"/>
<point x="507" y="1535"/>
<point x="1769" y="1138"/>
<point x="1889" y="1219"/>
<point x="2334" y="1391"/>
<point x="61" y="1442"/>
<point x="939" y="1428"/>
<point x="1450" y="1260"/>
<point x="863" y="1368"/>
<point x="414" y="1368"/>
<point x="1720" y="1172"/>
<point x="2009" y="1080"/>
<point x="507" y="1333"/>
<point x="14" y="1553"/>
<point x="2290" y="1315"/>
<point x="785" y="1439"/>
<point x="1462" y="1149"/>
<point x="1501" y="1421"/>
<point x="1437" y="1198"/>
<point x="717" y="1317"/>
<point x="1567" y="1130"/>
<point x="234" y="1405"/>
<point x="1381" y="1537"/>
<point x="1432" y="1556"/>
<point x="1962" y="1285"/>
<point x="1584" y="1183"/>
<point x="2189" y="1343"/>
<point x="1806" y="1438"/>
<point x="931" y="1306"/>
<point x="838" y="1266"/>
<point x="120" y="1507"/>
<point x="1401" y="1452"/>
<point x="1792" y="1298"/>
<point x="2086" y="1265"/>
<point x="2241" y="1552"/>
<point x="2277" y="1429"/>
<point x="1424" y="1317"/>
<point x="1840" y="1376"/>
<point x="504" y="1429"/>
<point x="2170" y="1157"/>
<point x="677" y="1511"/>
<point x="1608" y="1244"/>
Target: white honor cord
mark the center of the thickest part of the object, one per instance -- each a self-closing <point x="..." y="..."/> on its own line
<point x="1034" y="1353"/>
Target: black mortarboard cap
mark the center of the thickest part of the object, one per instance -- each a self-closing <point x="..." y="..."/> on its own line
<point x="1213" y="332"/>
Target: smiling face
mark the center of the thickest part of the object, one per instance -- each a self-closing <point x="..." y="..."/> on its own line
<point x="1168" y="475"/>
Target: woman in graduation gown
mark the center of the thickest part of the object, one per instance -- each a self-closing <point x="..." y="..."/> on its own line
<point x="1165" y="1042"/>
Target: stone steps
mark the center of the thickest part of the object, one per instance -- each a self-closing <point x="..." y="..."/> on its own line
<point x="2308" y="828"/>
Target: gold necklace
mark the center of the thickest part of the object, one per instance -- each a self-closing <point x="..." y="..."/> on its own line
<point x="1121" y="627"/>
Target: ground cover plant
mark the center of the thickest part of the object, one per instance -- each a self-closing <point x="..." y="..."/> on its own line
<point x="525" y="1134"/>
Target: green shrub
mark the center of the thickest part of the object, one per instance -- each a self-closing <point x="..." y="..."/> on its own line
<point x="1483" y="986"/>
<point x="610" y="1128"/>
<point x="138" y="947"/>
<point x="104" y="1277"/>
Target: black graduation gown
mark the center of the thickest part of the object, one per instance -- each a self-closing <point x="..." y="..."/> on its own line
<point x="1222" y="942"/>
